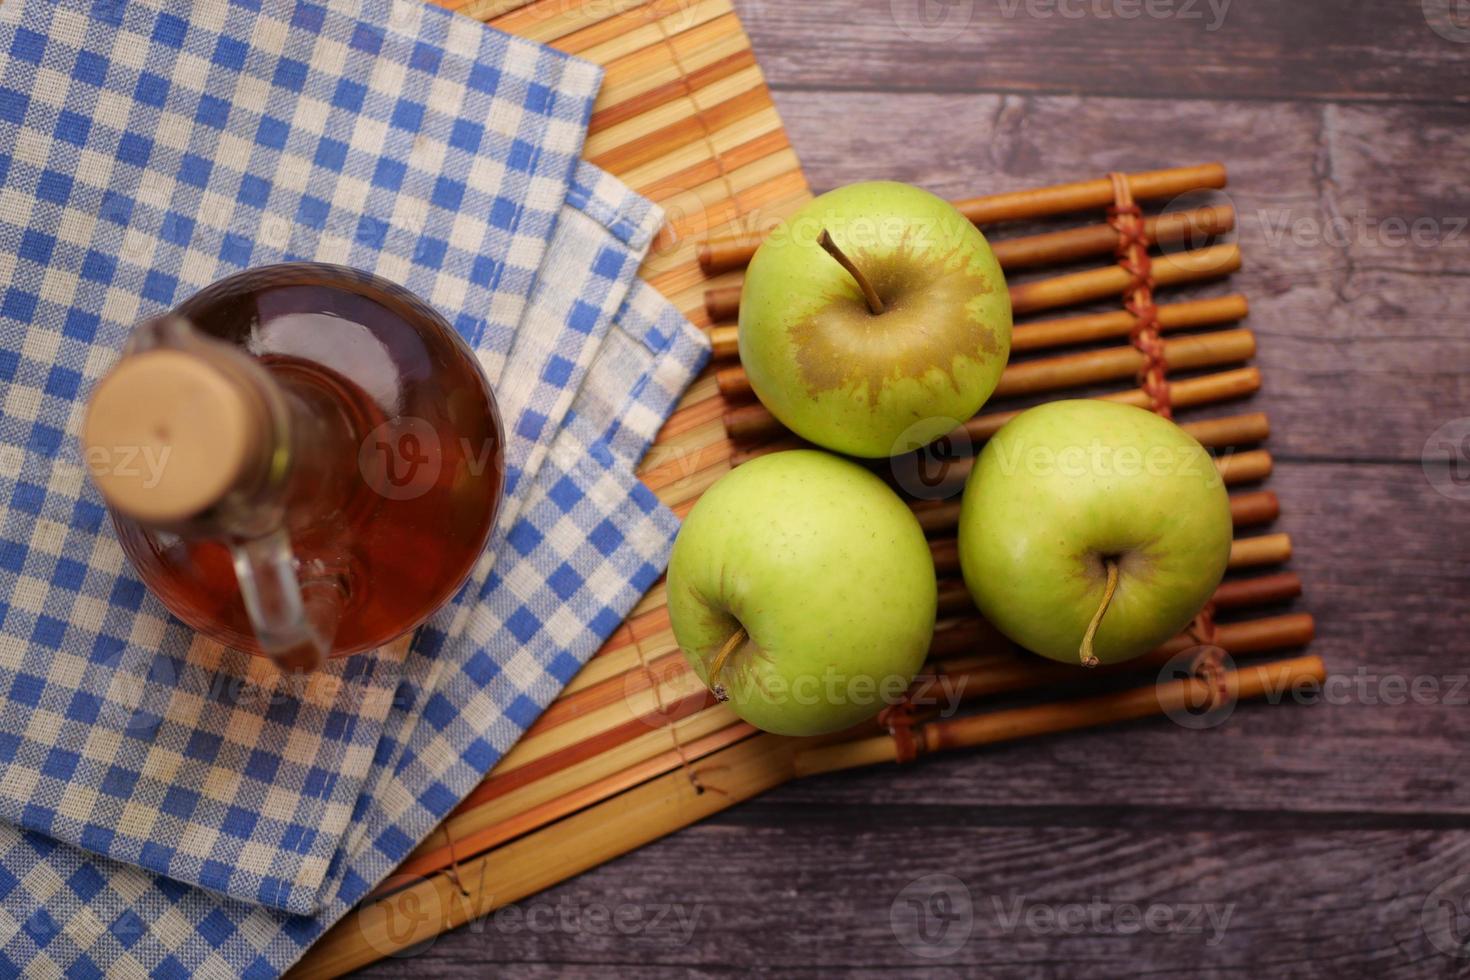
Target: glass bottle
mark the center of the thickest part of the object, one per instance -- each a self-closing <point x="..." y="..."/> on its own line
<point x="301" y="460"/>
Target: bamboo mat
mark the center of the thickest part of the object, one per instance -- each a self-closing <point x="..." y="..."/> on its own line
<point x="685" y="119"/>
<point x="635" y="748"/>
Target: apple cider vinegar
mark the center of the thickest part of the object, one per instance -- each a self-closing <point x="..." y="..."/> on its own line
<point x="324" y="460"/>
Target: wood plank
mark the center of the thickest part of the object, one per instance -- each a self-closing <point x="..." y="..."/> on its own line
<point x="1189" y="49"/>
<point x="1042" y="894"/>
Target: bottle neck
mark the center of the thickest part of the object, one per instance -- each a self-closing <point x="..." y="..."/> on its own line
<point x="253" y="455"/>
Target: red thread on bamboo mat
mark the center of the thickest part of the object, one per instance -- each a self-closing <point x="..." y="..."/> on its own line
<point x="452" y="872"/>
<point x="1209" y="659"/>
<point x="1126" y="217"/>
<point x="899" y="720"/>
<point x="685" y="763"/>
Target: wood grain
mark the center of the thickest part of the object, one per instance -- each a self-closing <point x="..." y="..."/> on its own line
<point x="1326" y="825"/>
<point x="1375" y="50"/>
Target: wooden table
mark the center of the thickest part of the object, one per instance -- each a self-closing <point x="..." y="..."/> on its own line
<point x="1326" y="833"/>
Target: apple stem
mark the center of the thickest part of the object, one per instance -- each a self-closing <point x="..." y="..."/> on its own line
<point x="875" y="302"/>
<point x="735" y="641"/>
<point x="1089" y="659"/>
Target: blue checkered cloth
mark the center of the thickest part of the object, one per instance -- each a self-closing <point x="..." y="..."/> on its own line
<point x="146" y="156"/>
<point x="124" y="735"/>
<point x="66" y="912"/>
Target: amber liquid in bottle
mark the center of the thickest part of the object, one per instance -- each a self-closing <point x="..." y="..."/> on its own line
<point x="389" y="474"/>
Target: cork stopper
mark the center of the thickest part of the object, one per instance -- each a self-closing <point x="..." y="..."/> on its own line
<point x="167" y="434"/>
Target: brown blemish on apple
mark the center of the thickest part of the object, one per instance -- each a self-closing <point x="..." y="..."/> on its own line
<point x="844" y="345"/>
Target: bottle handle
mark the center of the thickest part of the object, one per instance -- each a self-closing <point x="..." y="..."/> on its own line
<point x="294" y="619"/>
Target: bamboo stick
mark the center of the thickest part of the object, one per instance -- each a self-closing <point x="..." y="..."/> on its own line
<point x="1046" y="202"/>
<point x="1015" y="254"/>
<point x="1247" y="467"/>
<point x="1267" y="549"/>
<point x="1175" y="269"/>
<point x="1091" y="367"/>
<point x="973" y="643"/>
<point x="1186" y="393"/>
<point x="723" y="255"/>
<point x="995" y="666"/>
<point x="1053" y="373"/>
<point x="1064" y="331"/>
<point x="1274" y="679"/>
<point x="1164" y="230"/>
<point x="724" y="342"/>
<point x="965" y="679"/>
<point x="985" y="669"/>
<point x="1263" y="589"/>
<point x="754" y="421"/>
<point x="1084" y="287"/>
<point x="1041" y="334"/>
<point x="549" y="746"/>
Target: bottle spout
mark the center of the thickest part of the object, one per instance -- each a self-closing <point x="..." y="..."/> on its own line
<point x="294" y="617"/>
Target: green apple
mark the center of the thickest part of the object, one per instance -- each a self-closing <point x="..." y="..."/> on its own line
<point x="1072" y="492"/>
<point x="881" y="340"/>
<point x="801" y="589"/>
